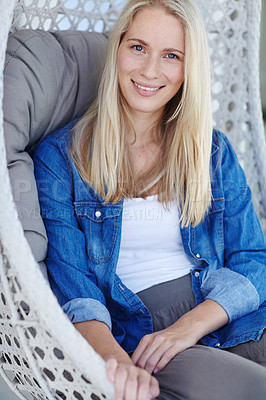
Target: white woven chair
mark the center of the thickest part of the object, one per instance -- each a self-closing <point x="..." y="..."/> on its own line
<point x="42" y="356"/>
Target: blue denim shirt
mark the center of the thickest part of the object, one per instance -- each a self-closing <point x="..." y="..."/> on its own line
<point x="228" y="249"/>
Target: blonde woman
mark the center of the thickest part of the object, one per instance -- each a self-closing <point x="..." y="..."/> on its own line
<point x="155" y="251"/>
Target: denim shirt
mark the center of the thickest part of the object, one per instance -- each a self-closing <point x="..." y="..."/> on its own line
<point x="228" y="248"/>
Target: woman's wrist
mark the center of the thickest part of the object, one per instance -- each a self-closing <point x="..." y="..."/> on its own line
<point x="101" y="339"/>
<point x="157" y="349"/>
<point x="203" y="319"/>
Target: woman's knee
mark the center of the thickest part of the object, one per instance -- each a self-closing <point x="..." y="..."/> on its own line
<point x="205" y="373"/>
<point x="254" y="351"/>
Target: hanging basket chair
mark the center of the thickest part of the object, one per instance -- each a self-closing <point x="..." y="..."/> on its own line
<point x="42" y="355"/>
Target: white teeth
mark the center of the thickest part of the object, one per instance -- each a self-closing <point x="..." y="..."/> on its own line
<point x="146" y="88"/>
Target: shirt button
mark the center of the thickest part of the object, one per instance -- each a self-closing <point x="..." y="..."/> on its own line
<point x="197" y="274"/>
<point x="98" y="214"/>
<point x="197" y="255"/>
<point x="218" y="345"/>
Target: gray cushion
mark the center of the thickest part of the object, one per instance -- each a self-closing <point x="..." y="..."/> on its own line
<point x="49" y="79"/>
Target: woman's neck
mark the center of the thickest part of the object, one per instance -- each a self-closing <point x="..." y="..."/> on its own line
<point x="142" y="130"/>
<point x="145" y="151"/>
<point x="145" y="146"/>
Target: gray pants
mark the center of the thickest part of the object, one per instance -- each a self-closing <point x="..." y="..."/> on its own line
<point x="202" y="372"/>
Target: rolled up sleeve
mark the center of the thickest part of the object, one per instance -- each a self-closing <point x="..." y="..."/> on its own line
<point x="228" y="289"/>
<point x="240" y="285"/>
<point x="79" y="310"/>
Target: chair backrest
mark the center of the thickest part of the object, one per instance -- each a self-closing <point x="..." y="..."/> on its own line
<point x="63" y="69"/>
<point x="42" y="355"/>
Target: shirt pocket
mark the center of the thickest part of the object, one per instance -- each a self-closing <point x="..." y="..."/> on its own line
<point x="208" y="237"/>
<point x="99" y="224"/>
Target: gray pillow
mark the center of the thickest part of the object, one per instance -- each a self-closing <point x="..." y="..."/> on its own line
<point x="49" y="79"/>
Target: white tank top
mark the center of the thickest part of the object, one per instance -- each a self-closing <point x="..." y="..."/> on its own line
<point x="151" y="250"/>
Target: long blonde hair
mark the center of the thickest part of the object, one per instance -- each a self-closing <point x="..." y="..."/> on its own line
<point x="99" y="147"/>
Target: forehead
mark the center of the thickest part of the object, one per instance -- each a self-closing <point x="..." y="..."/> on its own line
<point x="155" y="24"/>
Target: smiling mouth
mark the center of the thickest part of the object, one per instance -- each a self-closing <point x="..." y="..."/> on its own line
<point x="147" y="88"/>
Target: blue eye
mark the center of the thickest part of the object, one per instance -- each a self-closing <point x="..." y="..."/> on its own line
<point x="171" y="56"/>
<point x="137" y="47"/>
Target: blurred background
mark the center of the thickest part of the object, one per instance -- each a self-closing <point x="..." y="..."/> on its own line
<point x="5" y="392"/>
<point x="263" y="60"/>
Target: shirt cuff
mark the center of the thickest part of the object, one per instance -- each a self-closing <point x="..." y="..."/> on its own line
<point x="79" y="310"/>
<point x="235" y="293"/>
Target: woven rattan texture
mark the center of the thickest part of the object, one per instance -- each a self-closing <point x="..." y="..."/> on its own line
<point x="93" y="15"/>
<point x="32" y="355"/>
<point x="42" y="356"/>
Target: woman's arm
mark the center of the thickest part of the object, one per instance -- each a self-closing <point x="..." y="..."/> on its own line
<point x="156" y="350"/>
<point x="72" y="281"/>
<point x="239" y="287"/>
<point x="100" y="338"/>
<point x="130" y="381"/>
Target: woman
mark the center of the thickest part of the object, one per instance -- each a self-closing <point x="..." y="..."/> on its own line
<point x="157" y="258"/>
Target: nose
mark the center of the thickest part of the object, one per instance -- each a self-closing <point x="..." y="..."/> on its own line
<point x="150" y="68"/>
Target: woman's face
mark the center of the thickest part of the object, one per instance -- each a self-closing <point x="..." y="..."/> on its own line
<point x="151" y="61"/>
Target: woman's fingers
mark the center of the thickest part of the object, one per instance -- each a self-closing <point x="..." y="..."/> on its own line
<point x="131" y="390"/>
<point x="156" y="350"/>
<point x="164" y="354"/>
<point x="131" y="382"/>
<point x="140" y="349"/>
<point x="145" y="349"/>
<point x="161" y="359"/>
<point x="111" y="366"/>
<point x="154" y="388"/>
<point x="158" y="360"/>
<point x="117" y="374"/>
<point x="148" y="387"/>
<point x="121" y="382"/>
<point x="150" y="352"/>
<point x="144" y="390"/>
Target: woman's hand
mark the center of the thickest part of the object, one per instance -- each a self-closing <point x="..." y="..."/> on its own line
<point x="131" y="383"/>
<point x="156" y="350"/>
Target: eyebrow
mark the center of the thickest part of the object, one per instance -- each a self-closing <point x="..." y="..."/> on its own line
<point x="168" y="50"/>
